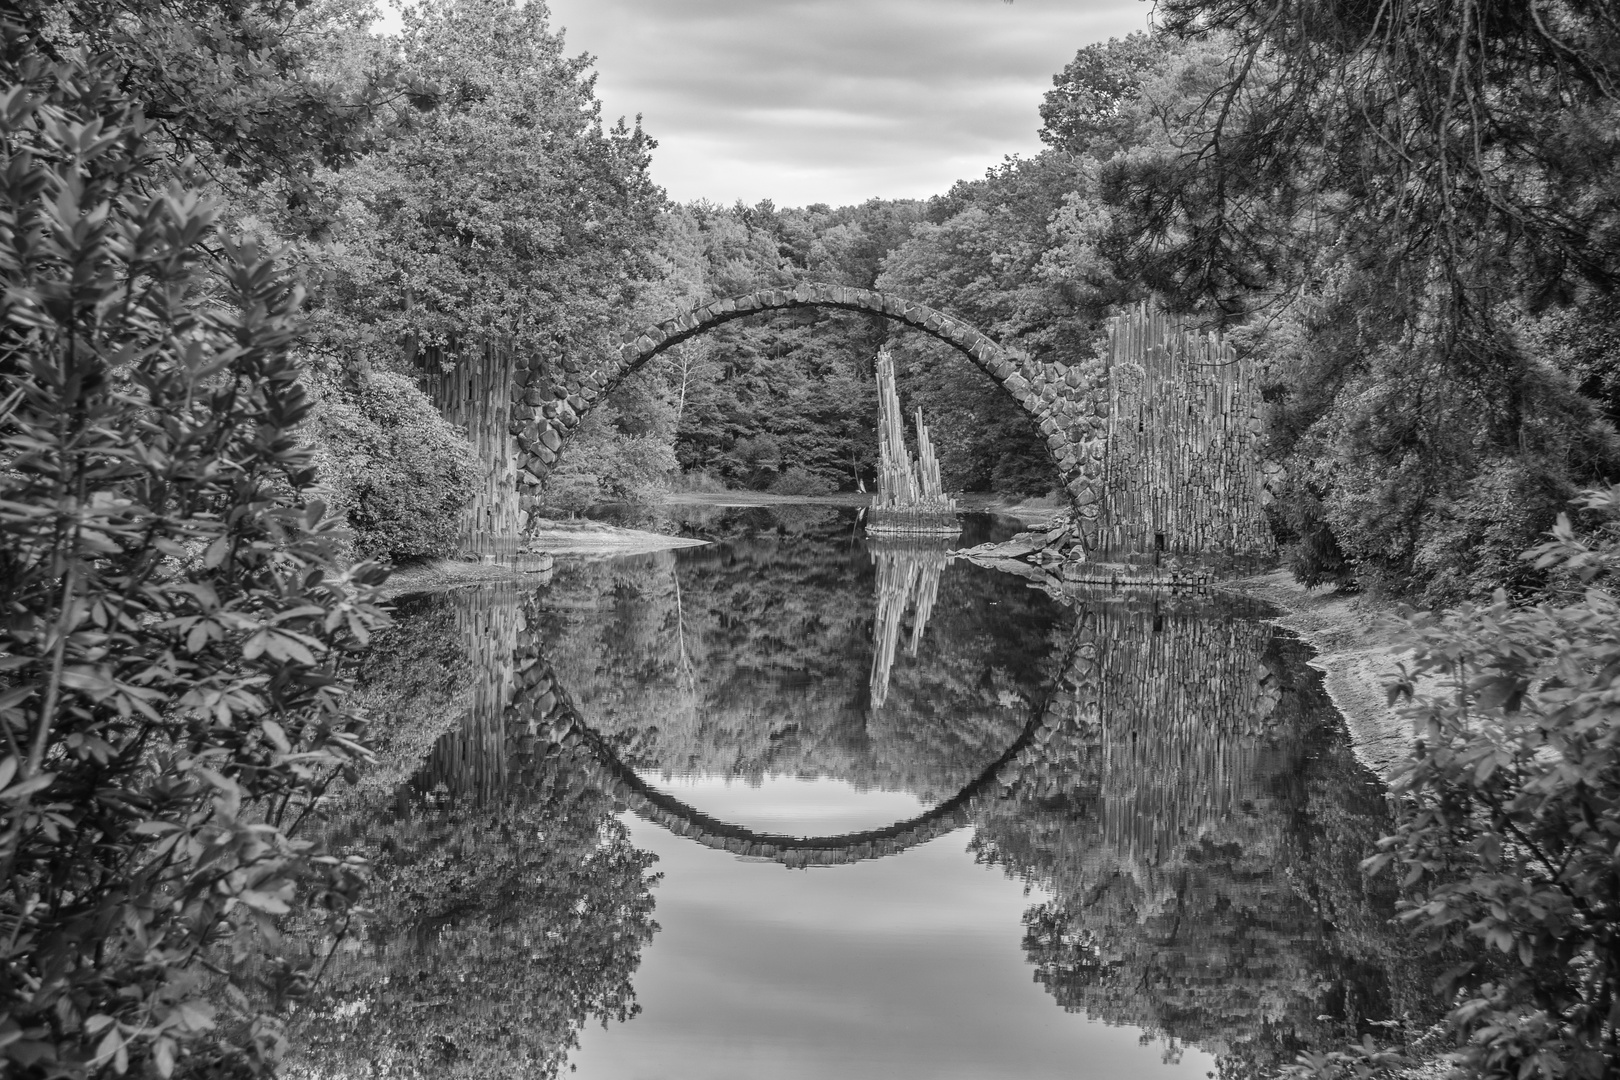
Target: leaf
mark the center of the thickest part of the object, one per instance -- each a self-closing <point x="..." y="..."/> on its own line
<point x="276" y="735"/>
<point x="215" y="555"/>
<point x="195" y="1015"/>
<point x="268" y="903"/>
<point x="155" y="828"/>
<point x="109" y="1045"/>
<point x="163" y="1056"/>
<point x="28" y="787"/>
<point x="255" y="645"/>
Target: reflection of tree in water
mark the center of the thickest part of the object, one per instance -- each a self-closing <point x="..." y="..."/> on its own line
<point x="755" y="656"/>
<point x="1199" y="821"/>
<point x="510" y="906"/>
<point x="1196" y="815"/>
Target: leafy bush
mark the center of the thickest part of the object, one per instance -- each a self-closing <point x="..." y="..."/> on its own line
<point x="797" y="481"/>
<point x="1509" y="818"/>
<point x="397" y="469"/>
<point x="602" y="462"/>
<point x="176" y="620"/>
<point x="698" y="481"/>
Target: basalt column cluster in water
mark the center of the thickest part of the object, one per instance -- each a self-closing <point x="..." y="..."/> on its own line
<point x="1155" y="440"/>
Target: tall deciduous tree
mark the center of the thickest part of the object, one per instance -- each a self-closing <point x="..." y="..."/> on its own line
<point x="245" y="88"/>
<point x="1388" y="198"/>
<point x="499" y="206"/>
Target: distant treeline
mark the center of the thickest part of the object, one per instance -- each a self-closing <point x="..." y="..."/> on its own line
<point x="1428" y="288"/>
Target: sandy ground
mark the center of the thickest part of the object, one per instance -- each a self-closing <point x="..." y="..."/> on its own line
<point x="442" y="574"/>
<point x="764" y="498"/>
<point x="550" y="539"/>
<point x="596" y="538"/>
<point x="1034" y="513"/>
<point x="1357" y="648"/>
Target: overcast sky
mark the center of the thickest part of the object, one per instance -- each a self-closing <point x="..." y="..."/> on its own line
<point x="834" y="101"/>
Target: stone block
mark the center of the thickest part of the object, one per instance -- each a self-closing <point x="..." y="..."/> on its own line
<point x="576" y="403"/>
<point x="570" y="365"/>
<point x="550" y="439"/>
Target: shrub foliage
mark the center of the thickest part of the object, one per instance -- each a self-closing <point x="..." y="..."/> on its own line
<point x="174" y="620"/>
<point x="1509" y="819"/>
<point x="398" y="469"/>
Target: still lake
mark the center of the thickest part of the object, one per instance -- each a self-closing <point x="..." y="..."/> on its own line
<point x="800" y="805"/>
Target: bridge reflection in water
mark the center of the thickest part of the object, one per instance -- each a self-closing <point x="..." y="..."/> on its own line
<point x="1167" y="776"/>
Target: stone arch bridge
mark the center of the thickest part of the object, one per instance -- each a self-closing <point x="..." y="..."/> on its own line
<point x="1067" y="403"/>
<point x="1154" y="439"/>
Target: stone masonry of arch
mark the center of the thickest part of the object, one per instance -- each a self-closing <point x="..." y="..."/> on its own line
<point x="1068" y="402"/>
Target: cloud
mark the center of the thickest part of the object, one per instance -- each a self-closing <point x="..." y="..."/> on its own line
<point x="832" y="101"/>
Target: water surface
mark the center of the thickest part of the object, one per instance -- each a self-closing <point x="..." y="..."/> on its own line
<point x="797" y="805"/>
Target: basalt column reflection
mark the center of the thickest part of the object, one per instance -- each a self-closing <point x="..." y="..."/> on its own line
<point x="1163" y="773"/>
<point x="907" y="580"/>
<point x="509" y="906"/>
<point x="1198" y="819"/>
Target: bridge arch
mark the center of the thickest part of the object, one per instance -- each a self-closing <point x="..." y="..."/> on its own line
<point x="567" y="726"/>
<point x="1067" y="403"/>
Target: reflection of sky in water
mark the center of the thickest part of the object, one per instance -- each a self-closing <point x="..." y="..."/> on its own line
<point x="789" y="805"/>
<point x="905" y="968"/>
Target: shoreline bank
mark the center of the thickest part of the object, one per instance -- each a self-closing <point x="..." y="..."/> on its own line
<point x="1357" y="644"/>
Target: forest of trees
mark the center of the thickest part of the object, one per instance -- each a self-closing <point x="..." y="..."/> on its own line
<point x="1441" y="369"/>
<point x="232" y="234"/>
